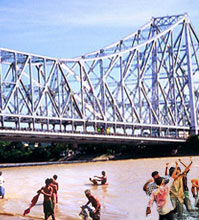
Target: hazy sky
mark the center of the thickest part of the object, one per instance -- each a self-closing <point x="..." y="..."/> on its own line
<point x="70" y="28"/>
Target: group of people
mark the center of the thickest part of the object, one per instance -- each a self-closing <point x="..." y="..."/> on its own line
<point x="50" y="196"/>
<point x="171" y="191"/>
<point x="50" y="190"/>
<point x="97" y="180"/>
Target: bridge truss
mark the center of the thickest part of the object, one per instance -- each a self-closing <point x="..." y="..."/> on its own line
<point x="143" y="86"/>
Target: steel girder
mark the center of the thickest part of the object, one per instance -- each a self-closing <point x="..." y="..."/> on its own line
<point x="145" y="84"/>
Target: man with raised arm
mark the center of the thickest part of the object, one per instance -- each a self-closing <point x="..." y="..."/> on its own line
<point x="177" y="191"/>
<point x="187" y="201"/>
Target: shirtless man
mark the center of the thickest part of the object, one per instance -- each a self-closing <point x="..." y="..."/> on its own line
<point x="194" y="190"/>
<point x="101" y="179"/>
<point x="95" y="203"/>
<point x="47" y="191"/>
<point x="56" y="183"/>
<point x="54" y="192"/>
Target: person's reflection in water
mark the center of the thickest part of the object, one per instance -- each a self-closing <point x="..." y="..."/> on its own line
<point x="104" y="188"/>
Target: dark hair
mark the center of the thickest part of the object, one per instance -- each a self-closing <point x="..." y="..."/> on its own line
<point x="171" y="170"/>
<point x="55" y="177"/>
<point x="47" y="181"/>
<point x="166" y="180"/>
<point x="179" y="169"/>
<point x="154" y="173"/>
<point x="0" y="173"/>
<point x="87" y="191"/>
<point x="158" y="180"/>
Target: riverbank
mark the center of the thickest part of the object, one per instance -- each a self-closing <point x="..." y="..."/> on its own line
<point x="60" y="161"/>
<point x="91" y="158"/>
<point x="12" y="153"/>
<point x="87" y="153"/>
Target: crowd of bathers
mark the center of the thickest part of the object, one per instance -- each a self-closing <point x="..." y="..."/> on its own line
<point x="50" y="193"/>
<point x="170" y="192"/>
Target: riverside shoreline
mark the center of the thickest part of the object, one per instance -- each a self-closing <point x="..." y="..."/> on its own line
<point x="7" y="165"/>
<point x="99" y="158"/>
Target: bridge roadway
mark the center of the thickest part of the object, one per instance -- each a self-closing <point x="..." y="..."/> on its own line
<point x="89" y="137"/>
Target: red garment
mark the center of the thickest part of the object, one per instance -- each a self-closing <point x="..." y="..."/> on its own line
<point x="33" y="202"/>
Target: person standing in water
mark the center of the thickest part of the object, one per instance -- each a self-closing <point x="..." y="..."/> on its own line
<point x="177" y="190"/>
<point x="56" y="183"/>
<point x="95" y="203"/>
<point x="54" y="192"/>
<point x="2" y="189"/>
<point x="187" y="201"/>
<point x="194" y="190"/>
<point x="161" y="196"/>
<point x="47" y="191"/>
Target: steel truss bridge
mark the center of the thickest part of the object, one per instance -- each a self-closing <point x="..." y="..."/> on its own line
<point x="144" y="87"/>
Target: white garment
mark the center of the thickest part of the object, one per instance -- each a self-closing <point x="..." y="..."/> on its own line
<point x="167" y="207"/>
<point x="162" y="198"/>
<point x="2" y="181"/>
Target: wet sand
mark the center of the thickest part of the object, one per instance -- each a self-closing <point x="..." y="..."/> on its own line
<point x="122" y="199"/>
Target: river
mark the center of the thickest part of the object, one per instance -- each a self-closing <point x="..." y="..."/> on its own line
<point x="122" y="199"/>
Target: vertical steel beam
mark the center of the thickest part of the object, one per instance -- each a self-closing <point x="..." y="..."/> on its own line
<point x="82" y="90"/>
<point x="32" y="92"/>
<point x="139" y="85"/>
<point x="193" y="126"/>
<point x="39" y="81"/>
<point x="102" y="88"/>
<point x="1" y="89"/>
<point x="173" y="70"/>
<point x="16" y="68"/>
<point x="154" y="82"/>
<point x="122" y="87"/>
<point x="44" y="91"/>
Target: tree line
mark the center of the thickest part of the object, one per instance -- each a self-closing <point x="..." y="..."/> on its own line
<point x="16" y="152"/>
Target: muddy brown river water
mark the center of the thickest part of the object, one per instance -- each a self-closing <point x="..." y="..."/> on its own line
<point x="122" y="199"/>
